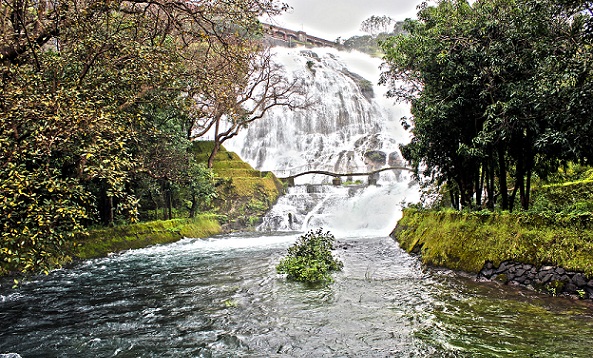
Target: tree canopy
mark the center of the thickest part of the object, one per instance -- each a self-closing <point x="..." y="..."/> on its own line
<point x="97" y="106"/>
<point x="500" y="91"/>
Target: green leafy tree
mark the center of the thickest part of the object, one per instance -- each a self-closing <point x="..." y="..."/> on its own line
<point x="243" y="89"/>
<point x="200" y="184"/>
<point x="483" y="81"/>
<point x="375" y="25"/>
<point x="94" y="99"/>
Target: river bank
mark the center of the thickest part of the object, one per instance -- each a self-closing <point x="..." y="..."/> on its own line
<point x="104" y="241"/>
<point x="550" y="253"/>
<point x="243" y="196"/>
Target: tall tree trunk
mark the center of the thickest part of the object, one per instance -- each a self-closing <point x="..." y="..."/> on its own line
<point x="527" y="190"/>
<point x="170" y="202"/>
<point x="512" y="198"/>
<point x="520" y="180"/>
<point x="194" y="207"/>
<point x="490" y="185"/>
<point x="502" y="178"/>
<point x="479" y="184"/>
<point x="111" y="210"/>
<point x="165" y="191"/>
<point x="454" y="196"/>
<point x="156" y="205"/>
<point x="213" y="154"/>
<point x="217" y="143"/>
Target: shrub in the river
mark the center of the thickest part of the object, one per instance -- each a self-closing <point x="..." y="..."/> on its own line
<point x="310" y="259"/>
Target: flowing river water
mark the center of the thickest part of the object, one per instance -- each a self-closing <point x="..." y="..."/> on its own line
<point x="221" y="297"/>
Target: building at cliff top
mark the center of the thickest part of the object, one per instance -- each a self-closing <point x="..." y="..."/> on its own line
<point x="280" y="36"/>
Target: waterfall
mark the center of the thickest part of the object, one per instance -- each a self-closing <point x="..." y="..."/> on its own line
<point x="350" y="127"/>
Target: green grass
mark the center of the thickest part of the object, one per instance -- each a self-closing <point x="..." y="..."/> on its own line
<point x="101" y="242"/>
<point x="465" y="241"/>
<point x="569" y="196"/>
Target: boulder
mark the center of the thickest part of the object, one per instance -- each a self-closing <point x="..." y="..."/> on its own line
<point x="579" y="280"/>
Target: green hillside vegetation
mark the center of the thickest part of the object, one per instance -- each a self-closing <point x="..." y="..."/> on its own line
<point x="556" y="231"/>
<point x="244" y="194"/>
<point x="101" y="242"/>
<point x="467" y="240"/>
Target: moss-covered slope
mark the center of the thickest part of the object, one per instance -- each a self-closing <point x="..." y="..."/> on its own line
<point x="568" y="196"/>
<point x="101" y="242"/>
<point x="466" y="241"/>
<point x="244" y="194"/>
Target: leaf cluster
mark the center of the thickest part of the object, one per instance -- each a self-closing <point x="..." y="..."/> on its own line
<point x="310" y="259"/>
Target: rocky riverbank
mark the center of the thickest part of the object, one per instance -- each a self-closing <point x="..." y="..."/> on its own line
<point x="550" y="253"/>
<point x="551" y="279"/>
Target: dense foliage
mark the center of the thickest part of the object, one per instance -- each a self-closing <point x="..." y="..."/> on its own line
<point x="98" y="101"/>
<point x="501" y="91"/>
<point x="310" y="259"/>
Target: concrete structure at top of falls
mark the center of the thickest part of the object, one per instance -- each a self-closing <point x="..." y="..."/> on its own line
<point x="350" y="127"/>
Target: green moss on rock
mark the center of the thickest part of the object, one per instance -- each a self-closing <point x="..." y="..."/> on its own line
<point x="465" y="241"/>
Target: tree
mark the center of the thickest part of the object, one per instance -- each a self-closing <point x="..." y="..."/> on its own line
<point x="378" y="28"/>
<point x="240" y="92"/>
<point x="483" y="82"/>
<point x="375" y="25"/>
<point x="76" y="132"/>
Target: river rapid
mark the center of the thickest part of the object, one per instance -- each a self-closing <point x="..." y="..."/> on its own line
<point x="221" y="297"/>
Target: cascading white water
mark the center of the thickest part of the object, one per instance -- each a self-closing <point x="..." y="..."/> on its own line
<point x="350" y="127"/>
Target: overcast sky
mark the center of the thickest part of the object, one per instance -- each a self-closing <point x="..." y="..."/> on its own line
<point x="330" y="19"/>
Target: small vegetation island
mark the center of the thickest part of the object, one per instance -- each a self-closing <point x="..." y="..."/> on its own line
<point x="501" y="94"/>
<point x="310" y="259"/>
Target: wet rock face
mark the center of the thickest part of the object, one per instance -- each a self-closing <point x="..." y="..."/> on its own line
<point x="375" y="159"/>
<point x="550" y="279"/>
<point x="395" y="160"/>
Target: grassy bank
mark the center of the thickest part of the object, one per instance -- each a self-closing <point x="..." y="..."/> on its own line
<point x="243" y="196"/>
<point x="465" y="241"/>
<point x="101" y="242"/>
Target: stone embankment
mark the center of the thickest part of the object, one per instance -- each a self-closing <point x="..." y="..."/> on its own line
<point x="551" y="279"/>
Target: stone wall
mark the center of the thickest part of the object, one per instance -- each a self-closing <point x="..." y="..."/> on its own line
<point x="550" y="279"/>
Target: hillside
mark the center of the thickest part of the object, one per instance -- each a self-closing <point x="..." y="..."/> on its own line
<point x="243" y="197"/>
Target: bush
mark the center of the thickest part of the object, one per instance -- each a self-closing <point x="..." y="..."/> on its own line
<point x="310" y="258"/>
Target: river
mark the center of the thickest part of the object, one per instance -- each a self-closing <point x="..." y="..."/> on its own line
<point x="221" y="297"/>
